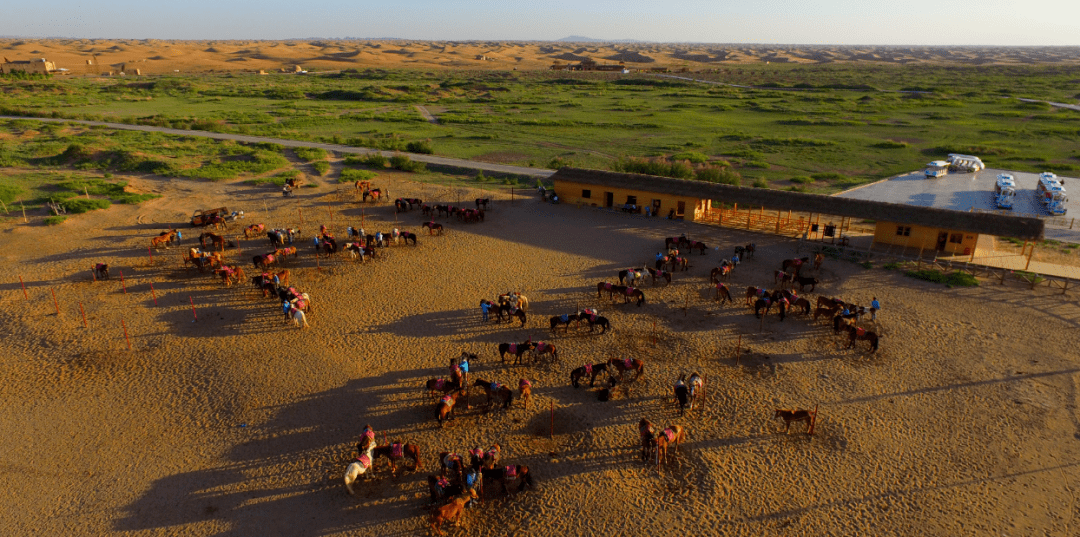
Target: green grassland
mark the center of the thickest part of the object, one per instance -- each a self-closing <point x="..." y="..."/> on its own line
<point x="835" y="127"/>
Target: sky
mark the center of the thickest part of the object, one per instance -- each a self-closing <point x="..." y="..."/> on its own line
<point x="825" y="22"/>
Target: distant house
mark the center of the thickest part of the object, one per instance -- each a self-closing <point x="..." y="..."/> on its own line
<point x="41" y="66"/>
<point x="588" y="64"/>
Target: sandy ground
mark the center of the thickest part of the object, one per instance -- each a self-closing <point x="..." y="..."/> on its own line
<point x="152" y="56"/>
<point x="964" y="423"/>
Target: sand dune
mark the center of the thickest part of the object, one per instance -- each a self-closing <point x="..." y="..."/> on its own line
<point x="204" y="56"/>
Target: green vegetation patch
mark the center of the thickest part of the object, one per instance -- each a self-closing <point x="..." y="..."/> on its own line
<point x="55" y="220"/>
<point x="310" y="154"/>
<point x="953" y="279"/>
<point x="349" y="175"/>
<point x="83" y="205"/>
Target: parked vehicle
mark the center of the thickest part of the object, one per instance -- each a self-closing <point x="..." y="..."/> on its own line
<point x="1051" y="194"/>
<point x="1005" y="191"/>
<point x="937" y="168"/>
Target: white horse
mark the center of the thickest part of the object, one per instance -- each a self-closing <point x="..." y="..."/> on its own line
<point x="356" y="469"/>
<point x="298" y="317"/>
<point x="395" y="235"/>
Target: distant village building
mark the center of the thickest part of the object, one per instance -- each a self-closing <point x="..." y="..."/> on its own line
<point x="39" y="66"/>
<point x="589" y="64"/>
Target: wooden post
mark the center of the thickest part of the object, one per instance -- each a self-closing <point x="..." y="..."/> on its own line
<point x="152" y="293"/>
<point x="126" y="338"/>
<point x="686" y="304"/>
<point x="738" y="350"/>
<point x="25" y="295"/>
<point x="55" y="303"/>
<point x="192" y="301"/>
<point x="301" y="213"/>
<point x="266" y="213"/>
<point x="512" y="195"/>
<point x="813" y="421"/>
<point x="124" y="285"/>
<point x="83" y="312"/>
<point x="330" y="210"/>
<point x="1030" y="253"/>
<point x="551" y="434"/>
<point x="25" y="221"/>
<point x="151" y="252"/>
<point x="4" y="205"/>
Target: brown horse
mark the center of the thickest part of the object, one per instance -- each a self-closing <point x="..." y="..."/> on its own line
<point x="283" y="277"/>
<point x="230" y="274"/>
<point x="753" y="293"/>
<point x="630" y="293"/>
<point x="657" y="273"/>
<point x="525" y="392"/>
<point x="491" y="457"/>
<point x="493" y="390"/>
<point x="828" y="312"/>
<point x="587" y="370"/>
<point x="254" y="230"/>
<point x="611" y="289"/>
<point x="445" y="410"/>
<point x="792" y="416"/>
<point x="818" y="260"/>
<point x="628" y="364"/>
<point x="101" y="271"/>
<point x="164" y="239"/>
<point x="395" y="452"/>
<point x="723" y="292"/>
<point x="672" y="436"/>
<point x="795" y="264"/>
<point x="216" y="240"/>
<point x="263" y="261"/>
<point x="434" y="387"/>
<point x="862" y="334"/>
<point x="517" y="349"/>
<point x="783" y="278"/>
<point x="207" y="261"/>
<point x="803" y="304"/>
<point x="284" y="253"/>
<point x="541" y="348"/>
<point x="647" y="431"/>
<point x="433" y="227"/>
<point x="723" y="272"/>
<point x="451" y="512"/>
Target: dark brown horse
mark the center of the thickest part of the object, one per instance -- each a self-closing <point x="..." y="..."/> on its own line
<point x="722" y="292"/>
<point x="631" y="293"/>
<point x="611" y="288"/>
<point x="755" y="292"/>
<point x="566" y="319"/>
<point x="101" y="271"/>
<point x="433" y="227"/>
<point x="658" y="273"/>
<point x="671" y="436"/>
<point x="723" y="272"/>
<point x="862" y="334"/>
<point x="395" y="452"/>
<point x="794" y="264"/>
<point x="628" y="364"/>
<point x="437" y="386"/>
<point x="445" y="409"/>
<point x="517" y="349"/>
<point x="765" y="302"/>
<point x="792" y="416"/>
<point x="495" y="390"/>
<point x="217" y="240"/>
<point x="801" y="304"/>
<point x="587" y="370"/>
<point x="647" y="431"/>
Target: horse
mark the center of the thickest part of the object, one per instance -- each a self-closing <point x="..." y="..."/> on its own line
<point x="263" y="261"/>
<point x="826" y="311"/>
<point x="723" y="292"/>
<point x="516" y="300"/>
<point x="164" y="239"/>
<point x="504" y="475"/>
<point x="658" y="273"/>
<point x="433" y="227"/>
<point x="254" y="229"/>
<point x="516" y="349"/>
<point x="697" y="386"/>
<point x="609" y="287"/>
<point x="802" y="304"/>
<point x="793" y="415"/>
<point x="525" y="392"/>
<point x="285" y="252"/>
<point x="663" y="260"/>
<point x="628" y="364"/>
<point x="596" y="320"/>
<point x="329" y="246"/>
<point x="783" y="278"/>
<point x="397" y="451"/>
<point x="263" y="283"/>
<point x="679" y="262"/>
<point x="587" y="370"/>
<point x="489" y="458"/>
<point x="231" y="274"/>
<point x="482" y="203"/>
<point x="755" y="292"/>
<point x="829" y="302"/>
<point x="101" y="271"/>
<point x="682" y="394"/>
<point x="210" y="261"/>
<point x="803" y="282"/>
<point x="440" y="488"/>
<point x="647" y="431"/>
<point x="632" y="275"/>
<point x="357" y="468"/>
<point x="818" y="260"/>
<point x="842" y="322"/>
<point x="721" y="273"/>
<point x="671" y="436"/>
<point x="745" y="251"/>
<point x="762" y="303"/>
<point x="511" y="312"/>
<point x="541" y="348"/>
<point x="437" y="386"/>
<point x="400" y="205"/>
<point x="673" y="241"/>
<point x="566" y="319"/>
<point x="782" y="306"/>
<point x="494" y="389"/>
<point x="451" y="512"/>
<point x="216" y="240"/>
<point x="862" y="334"/>
<point x="299" y="317"/>
<point x="407" y="236"/>
<point x="794" y="263"/>
<point x="632" y="293"/>
<point x="695" y="245"/>
<point x="445" y="409"/>
<point x="440" y="209"/>
<point x="414" y="201"/>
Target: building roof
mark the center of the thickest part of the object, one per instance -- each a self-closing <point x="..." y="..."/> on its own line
<point x="971" y="222"/>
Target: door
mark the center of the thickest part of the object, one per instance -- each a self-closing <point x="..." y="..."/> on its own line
<point x="609" y="199"/>
<point x="942" y="239"/>
<point x="680" y="210"/>
<point x="655" y="207"/>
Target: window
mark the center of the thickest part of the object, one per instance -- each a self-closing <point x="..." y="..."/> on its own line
<point x="956" y="238"/>
<point x="586" y="193"/>
<point x="631" y="200"/>
<point x="903" y="231"/>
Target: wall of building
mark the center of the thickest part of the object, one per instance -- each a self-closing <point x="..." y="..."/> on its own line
<point x="956" y="242"/>
<point x="571" y="192"/>
<point x="35" y="66"/>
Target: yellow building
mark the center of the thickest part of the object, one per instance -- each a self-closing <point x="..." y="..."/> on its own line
<point x="41" y="66"/>
<point x="630" y="199"/>
<point x="949" y="241"/>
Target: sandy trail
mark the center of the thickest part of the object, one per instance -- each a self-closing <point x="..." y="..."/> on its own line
<point x="963" y="423"/>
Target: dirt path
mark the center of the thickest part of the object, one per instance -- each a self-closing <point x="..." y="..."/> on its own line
<point x="427" y="115"/>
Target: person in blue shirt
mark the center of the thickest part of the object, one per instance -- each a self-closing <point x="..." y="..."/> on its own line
<point x="874" y="307"/>
<point x="179" y="236"/>
<point x="485" y="307"/>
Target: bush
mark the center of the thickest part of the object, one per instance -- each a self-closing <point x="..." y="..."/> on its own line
<point x="660" y="167"/>
<point x="350" y="175"/>
<point x="310" y="154"/>
<point x="891" y="266"/>
<point x="955" y="279"/>
<point x="403" y="163"/>
<point x="423" y="147"/>
<point x="321" y="167"/>
<point x="725" y="176"/>
<point x="55" y="220"/>
<point x="8" y="193"/>
<point x="375" y="160"/>
<point x="82" y="205"/>
<point x="756" y="164"/>
<point x="761" y="183"/>
<point x="692" y="156"/>
<point x="889" y="144"/>
<point x="802" y="180"/>
<point x="828" y="176"/>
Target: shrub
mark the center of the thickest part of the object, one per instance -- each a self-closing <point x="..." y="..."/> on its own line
<point x="82" y="205"/>
<point x="375" y="160"/>
<point x="692" y="156"/>
<point x="889" y="144"/>
<point x="756" y="164"/>
<point x="891" y="266"/>
<point x="321" y="167"/>
<point x="350" y="175"/>
<point x="422" y="146"/>
<point x="55" y="220"/>
<point x="955" y="279"/>
<point x="8" y="193"/>
<point x="761" y="183"/>
<point x="403" y="163"/>
<point x="310" y="154"/>
<point x="724" y="176"/>
<point x="866" y="265"/>
<point x="802" y="180"/>
<point x="828" y="176"/>
<point x="660" y="167"/>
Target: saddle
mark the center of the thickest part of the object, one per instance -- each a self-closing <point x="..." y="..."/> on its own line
<point x="364" y="461"/>
<point x="494" y="386"/>
<point x="511" y="471"/>
<point x="441" y="484"/>
<point x="524" y="383"/>
<point x="439" y="384"/>
<point x="860" y="332"/>
<point x="629" y="290"/>
<point x="669" y="434"/>
<point x="451" y="460"/>
<point x="397" y="450"/>
<point x="798" y="262"/>
<point x="447" y="400"/>
<point x="565" y="318"/>
<point x="513" y="348"/>
<point x="588" y="369"/>
<point x="541" y="346"/>
<point x="607" y="286"/>
<point x="99" y="266"/>
<point x="628" y="363"/>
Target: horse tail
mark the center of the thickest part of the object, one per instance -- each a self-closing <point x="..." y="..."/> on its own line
<point x="874" y="342"/>
<point x="349" y="478"/>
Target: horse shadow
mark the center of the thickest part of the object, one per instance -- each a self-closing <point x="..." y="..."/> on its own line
<point x="310" y="437"/>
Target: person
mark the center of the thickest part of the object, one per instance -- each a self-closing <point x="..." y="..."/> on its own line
<point x="671" y="214"/>
<point x="874" y="307"/>
<point x="648" y="211"/>
<point x="485" y="307"/>
<point x="735" y="260"/>
<point x="659" y="256"/>
<point x="179" y="236"/>
<point x="554" y="198"/>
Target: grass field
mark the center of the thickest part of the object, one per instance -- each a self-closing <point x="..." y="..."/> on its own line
<point x="846" y="124"/>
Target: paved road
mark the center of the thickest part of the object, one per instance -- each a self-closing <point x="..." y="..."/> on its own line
<point x="428" y="159"/>
<point x="1059" y="105"/>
